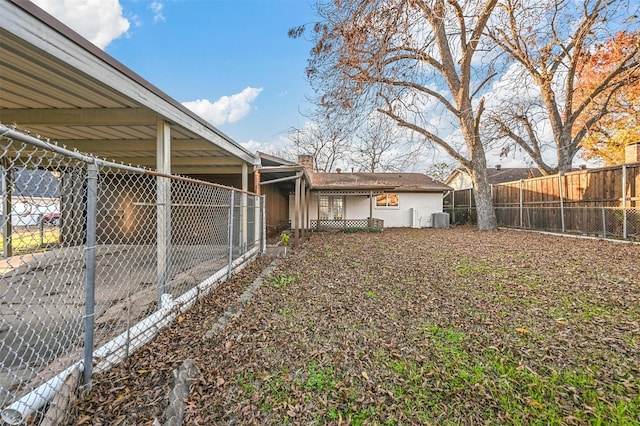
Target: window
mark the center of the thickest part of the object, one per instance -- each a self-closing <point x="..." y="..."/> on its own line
<point x="387" y="200"/>
<point x="331" y="207"/>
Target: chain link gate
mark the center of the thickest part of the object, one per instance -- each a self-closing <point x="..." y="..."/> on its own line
<point x="94" y="264"/>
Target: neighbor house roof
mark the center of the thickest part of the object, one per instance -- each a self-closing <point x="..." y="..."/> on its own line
<point x="400" y="182"/>
<point x="501" y="174"/>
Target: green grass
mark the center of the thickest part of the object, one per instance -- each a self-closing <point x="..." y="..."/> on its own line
<point x="31" y="241"/>
<point x="282" y="280"/>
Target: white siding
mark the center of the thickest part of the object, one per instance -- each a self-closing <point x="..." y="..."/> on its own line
<point x="461" y="180"/>
<point x="357" y="207"/>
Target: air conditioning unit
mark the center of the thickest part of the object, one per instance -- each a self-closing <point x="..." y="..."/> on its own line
<point x="440" y="220"/>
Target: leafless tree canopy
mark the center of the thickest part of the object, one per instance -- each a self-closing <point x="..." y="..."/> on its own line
<point x="381" y="146"/>
<point x="326" y="140"/>
<point x="421" y="63"/>
<point x="547" y="41"/>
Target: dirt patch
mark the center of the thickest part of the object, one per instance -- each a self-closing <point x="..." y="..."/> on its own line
<point x="405" y="327"/>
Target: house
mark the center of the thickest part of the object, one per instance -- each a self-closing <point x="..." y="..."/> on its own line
<point x="277" y="178"/>
<point x="460" y="179"/>
<point x="339" y="200"/>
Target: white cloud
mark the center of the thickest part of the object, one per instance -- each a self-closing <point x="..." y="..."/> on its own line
<point x="156" y="7"/>
<point x="227" y="109"/>
<point x="99" y="21"/>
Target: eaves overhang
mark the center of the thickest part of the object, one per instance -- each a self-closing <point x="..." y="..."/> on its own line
<point x="55" y="83"/>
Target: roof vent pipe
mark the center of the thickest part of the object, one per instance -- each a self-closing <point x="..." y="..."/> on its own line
<point x="498" y="166"/>
<point x="338" y="170"/>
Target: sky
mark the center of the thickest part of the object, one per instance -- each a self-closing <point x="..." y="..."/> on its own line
<point x="230" y="61"/>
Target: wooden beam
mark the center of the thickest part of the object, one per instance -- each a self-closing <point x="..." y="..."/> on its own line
<point x="256" y="182"/>
<point x="282" y="179"/>
<point x="303" y="195"/>
<point x="206" y="170"/>
<point x="91" y="145"/>
<point x="163" y="211"/>
<point x="79" y="116"/>
<point x="180" y="161"/>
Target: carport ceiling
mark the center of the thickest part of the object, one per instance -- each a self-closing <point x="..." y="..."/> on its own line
<point x="56" y="84"/>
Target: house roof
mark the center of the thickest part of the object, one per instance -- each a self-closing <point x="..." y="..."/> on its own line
<point x="501" y="174"/>
<point x="400" y="182"/>
<point x="56" y="84"/>
<point x="35" y="184"/>
<point x="268" y="160"/>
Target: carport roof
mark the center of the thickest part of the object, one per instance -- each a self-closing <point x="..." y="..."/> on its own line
<point x="56" y="84"/>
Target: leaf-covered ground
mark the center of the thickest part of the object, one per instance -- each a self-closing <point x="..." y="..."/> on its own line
<point x="405" y="327"/>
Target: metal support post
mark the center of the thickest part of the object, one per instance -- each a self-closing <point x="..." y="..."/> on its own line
<point x="624" y="201"/>
<point x="521" y="205"/>
<point x="7" y="227"/>
<point x="90" y="247"/>
<point x="230" y="260"/>
<point x="263" y="225"/>
<point x="561" y="201"/>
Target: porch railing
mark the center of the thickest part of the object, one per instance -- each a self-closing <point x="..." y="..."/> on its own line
<point x="325" y="224"/>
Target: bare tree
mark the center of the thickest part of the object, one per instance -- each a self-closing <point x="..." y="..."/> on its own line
<point x="417" y="61"/>
<point x="550" y="41"/>
<point x="380" y="146"/>
<point x="327" y="141"/>
<point x="440" y="171"/>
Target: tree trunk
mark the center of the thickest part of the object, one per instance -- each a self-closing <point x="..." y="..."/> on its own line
<point x="565" y="151"/>
<point x="486" y="215"/>
<point x="484" y="203"/>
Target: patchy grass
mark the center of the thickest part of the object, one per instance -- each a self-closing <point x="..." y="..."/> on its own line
<point x="31" y="240"/>
<point x="408" y="327"/>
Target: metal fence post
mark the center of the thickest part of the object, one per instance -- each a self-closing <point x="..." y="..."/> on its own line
<point x="604" y="223"/>
<point x="521" y="204"/>
<point x="263" y="225"/>
<point x="163" y="231"/>
<point x="7" y="227"/>
<point x="231" y="205"/>
<point x="90" y="246"/>
<point x="561" y="202"/>
<point x="624" y="201"/>
<point x="453" y="206"/>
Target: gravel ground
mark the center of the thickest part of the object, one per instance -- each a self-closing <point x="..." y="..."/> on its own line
<point x="404" y="327"/>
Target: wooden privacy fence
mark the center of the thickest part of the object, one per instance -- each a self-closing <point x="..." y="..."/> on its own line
<point x="603" y="201"/>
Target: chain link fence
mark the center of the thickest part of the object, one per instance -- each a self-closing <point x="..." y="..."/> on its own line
<point x="604" y="221"/>
<point x="96" y="259"/>
<point x="608" y="222"/>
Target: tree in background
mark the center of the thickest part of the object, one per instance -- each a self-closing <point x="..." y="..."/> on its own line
<point x="606" y="138"/>
<point x="418" y="62"/>
<point x="440" y="171"/>
<point x="381" y="146"/>
<point x="551" y="41"/>
<point x="325" y="139"/>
